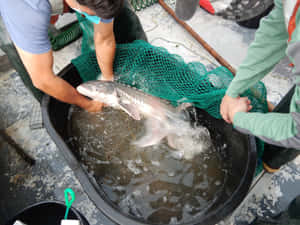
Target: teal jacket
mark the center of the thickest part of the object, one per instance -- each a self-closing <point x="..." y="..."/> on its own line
<point x="272" y="43"/>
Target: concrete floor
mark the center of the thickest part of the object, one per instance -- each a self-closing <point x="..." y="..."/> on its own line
<point x="23" y="185"/>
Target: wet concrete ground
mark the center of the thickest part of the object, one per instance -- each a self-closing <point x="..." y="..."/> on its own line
<point x="22" y="184"/>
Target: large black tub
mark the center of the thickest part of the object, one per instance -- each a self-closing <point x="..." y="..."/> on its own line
<point x="241" y="152"/>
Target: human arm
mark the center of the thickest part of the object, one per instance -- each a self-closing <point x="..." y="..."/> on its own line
<point x="267" y="49"/>
<point x="39" y="67"/>
<point x="282" y="129"/>
<point x="105" y="46"/>
<point x="30" y="36"/>
<point x="264" y="53"/>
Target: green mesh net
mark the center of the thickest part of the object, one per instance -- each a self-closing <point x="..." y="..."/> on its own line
<point x="88" y="33"/>
<point x="65" y="36"/>
<point x="141" y="4"/>
<point x="157" y="72"/>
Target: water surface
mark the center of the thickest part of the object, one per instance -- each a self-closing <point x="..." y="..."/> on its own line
<point x="155" y="183"/>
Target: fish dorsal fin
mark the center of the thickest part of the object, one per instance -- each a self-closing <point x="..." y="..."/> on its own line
<point x="127" y="106"/>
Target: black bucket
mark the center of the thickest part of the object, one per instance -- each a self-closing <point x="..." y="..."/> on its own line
<point x="47" y="213"/>
<point x="241" y="153"/>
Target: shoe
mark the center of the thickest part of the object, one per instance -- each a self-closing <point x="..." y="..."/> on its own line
<point x="269" y="169"/>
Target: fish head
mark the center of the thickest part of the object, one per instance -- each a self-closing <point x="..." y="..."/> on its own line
<point x="102" y="91"/>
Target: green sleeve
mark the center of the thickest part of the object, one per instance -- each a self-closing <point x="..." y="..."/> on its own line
<point x="264" y="53"/>
<point x="282" y="129"/>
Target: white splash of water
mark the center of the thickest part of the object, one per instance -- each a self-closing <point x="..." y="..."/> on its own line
<point x="186" y="140"/>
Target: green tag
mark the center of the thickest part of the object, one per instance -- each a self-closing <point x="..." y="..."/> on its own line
<point x="69" y="192"/>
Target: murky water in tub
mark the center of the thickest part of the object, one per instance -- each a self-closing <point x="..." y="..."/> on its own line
<point x="151" y="183"/>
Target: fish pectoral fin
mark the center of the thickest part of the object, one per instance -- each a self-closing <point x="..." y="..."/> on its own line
<point x="155" y="132"/>
<point x="171" y="138"/>
<point x="130" y="110"/>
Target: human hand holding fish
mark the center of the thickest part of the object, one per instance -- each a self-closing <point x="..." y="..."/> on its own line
<point x="107" y="78"/>
<point x="96" y="105"/>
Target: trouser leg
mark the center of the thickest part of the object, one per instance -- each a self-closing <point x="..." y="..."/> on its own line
<point x="275" y="156"/>
<point x="289" y="216"/>
<point x="17" y="64"/>
<point x="8" y="47"/>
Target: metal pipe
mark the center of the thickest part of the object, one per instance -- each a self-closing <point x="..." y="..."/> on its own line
<point x="219" y="58"/>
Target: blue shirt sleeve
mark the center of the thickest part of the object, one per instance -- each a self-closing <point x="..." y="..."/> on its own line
<point x="27" y="22"/>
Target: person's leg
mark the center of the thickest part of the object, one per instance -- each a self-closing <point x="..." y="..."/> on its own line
<point x="289" y="216"/>
<point x="274" y="157"/>
<point x="127" y="26"/>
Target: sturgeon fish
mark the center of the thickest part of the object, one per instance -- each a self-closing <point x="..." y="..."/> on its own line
<point x="160" y="115"/>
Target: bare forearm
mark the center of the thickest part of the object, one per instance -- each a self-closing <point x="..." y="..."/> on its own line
<point x="63" y="91"/>
<point x="105" y="52"/>
<point x="39" y="67"/>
